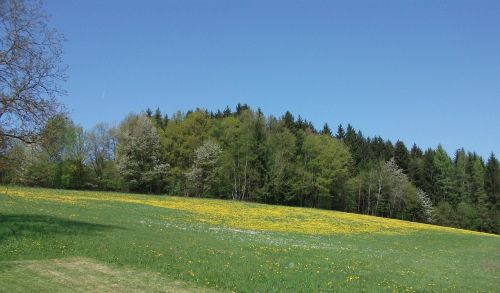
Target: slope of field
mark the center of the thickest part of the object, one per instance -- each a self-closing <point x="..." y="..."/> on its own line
<point x="49" y="239"/>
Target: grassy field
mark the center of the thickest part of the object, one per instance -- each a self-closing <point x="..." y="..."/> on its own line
<point x="60" y="241"/>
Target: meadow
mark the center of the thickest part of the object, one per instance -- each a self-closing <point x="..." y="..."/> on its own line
<point x="60" y="241"/>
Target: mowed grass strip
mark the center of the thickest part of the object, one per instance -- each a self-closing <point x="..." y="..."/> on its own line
<point x="83" y="275"/>
<point x="159" y="238"/>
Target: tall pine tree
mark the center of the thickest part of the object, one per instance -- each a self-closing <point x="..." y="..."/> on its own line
<point x="492" y="180"/>
<point x="326" y="130"/>
<point x="401" y="156"/>
<point x="443" y="181"/>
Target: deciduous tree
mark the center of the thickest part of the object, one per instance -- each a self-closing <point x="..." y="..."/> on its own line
<point x="139" y="155"/>
<point x="31" y="70"/>
<point x="204" y="167"/>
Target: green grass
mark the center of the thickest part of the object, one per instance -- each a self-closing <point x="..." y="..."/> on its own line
<point x="147" y="248"/>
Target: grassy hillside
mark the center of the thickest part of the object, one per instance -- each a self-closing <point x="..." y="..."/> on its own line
<point x="58" y="240"/>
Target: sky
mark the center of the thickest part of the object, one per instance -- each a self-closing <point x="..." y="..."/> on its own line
<point x="418" y="71"/>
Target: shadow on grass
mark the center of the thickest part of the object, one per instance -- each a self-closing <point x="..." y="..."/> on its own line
<point x="19" y="225"/>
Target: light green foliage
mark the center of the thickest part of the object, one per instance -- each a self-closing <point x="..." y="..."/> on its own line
<point x="59" y="159"/>
<point x="395" y="187"/>
<point x="326" y="167"/>
<point x="282" y="172"/>
<point x="74" y="170"/>
<point x="54" y="137"/>
<point x="180" y="138"/>
<point x="236" y="140"/>
<point x="183" y="135"/>
<point x="384" y="190"/>
<point x="101" y="143"/>
<point x="12" y="163"/>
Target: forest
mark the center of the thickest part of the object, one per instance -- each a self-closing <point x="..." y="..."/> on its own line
<point x="244" y="155"/>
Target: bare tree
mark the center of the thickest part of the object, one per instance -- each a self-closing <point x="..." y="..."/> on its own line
<point x="30" y="70"/>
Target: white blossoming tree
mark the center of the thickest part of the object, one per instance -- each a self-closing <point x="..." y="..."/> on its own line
<point x="200" y="176"/>
<point x="139" y="155"/>
<point x="425" y="206"/>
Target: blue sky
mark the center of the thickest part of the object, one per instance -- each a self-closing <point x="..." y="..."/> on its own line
<point x="419" y="71"/>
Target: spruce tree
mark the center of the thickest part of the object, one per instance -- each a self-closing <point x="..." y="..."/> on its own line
<point x="492" y="180"/>
<point x="444" y="187"/>
<point x="477" y="194"/>
<point x="389" y="150"/>
<point x="311" y="127"/>
<point x="352" y="140"/>
<point x="416" y="152"/>
<point x="288" y="120"/>
<point x="261" y="151"/>
<point x="428" y="174"/>
<point x="401" y="156"/>
<point x="326" y="130"/>
<point x="377" y="147"/>
<point x="227" y="112"/>
<point x="461" y="183"/>
<point x="157" y="118"/>
<point x="340" y="133"/>
<point x="415" y="166"/>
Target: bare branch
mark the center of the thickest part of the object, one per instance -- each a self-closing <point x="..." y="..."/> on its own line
<point x="30" y="69"/>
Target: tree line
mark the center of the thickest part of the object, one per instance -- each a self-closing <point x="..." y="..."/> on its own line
<point x="245" y="155"/>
